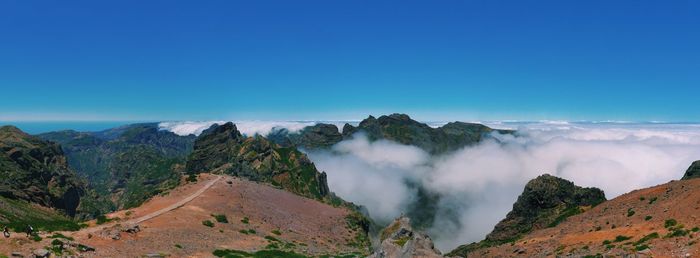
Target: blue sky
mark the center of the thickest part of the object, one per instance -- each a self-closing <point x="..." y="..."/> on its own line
<point x="436" y="60"/>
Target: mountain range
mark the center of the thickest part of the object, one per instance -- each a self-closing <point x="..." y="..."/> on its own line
<point x="251" y="187"/>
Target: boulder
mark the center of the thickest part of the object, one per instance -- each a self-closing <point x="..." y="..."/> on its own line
<point x="399" y="240"/>
<point x="41" y="253"/>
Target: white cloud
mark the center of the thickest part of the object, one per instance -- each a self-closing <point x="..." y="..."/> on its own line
<point x="480" y="183"/>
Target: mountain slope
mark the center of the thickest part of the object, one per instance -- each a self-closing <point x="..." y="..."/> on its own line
<point x="545" y="202"/>
<point x="125" y="165"/>
<point x="223" y="149"/>
<point x="36" y="171"/>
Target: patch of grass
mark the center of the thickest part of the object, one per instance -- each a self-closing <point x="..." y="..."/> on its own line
<point x="271" y="238"/>
<point x="276" y="232"/>
<point x="59" y="235"/>
<point x="607" y="242"/>
<point x="647" y="218"/>
<point x="647" y="238"/>
<point x="676" y="232"/>
<point x="36" y="238"/>
<point x="621" y="238"/>
<point x="642" y="198"/>
<point x="272" y="246"/>
<point x="670" y="223"/>
<point x="695" y="229"/>
<point x="402" y="241"/>
<point x="252" y="231"/>
<point x="653" y="200"/>
<point x="243" y="231"/>
<point x="221" y="218"/>
<point x="610" y="246"/>
<point x="178" y="246"/>
<point x="245" y="220"/>
<point x="102" y="219"/>
<point x="208" y="223"/>
<point x="630" y="212"/>
<point x="641" y="247"/>
<point x="568" y="212"/>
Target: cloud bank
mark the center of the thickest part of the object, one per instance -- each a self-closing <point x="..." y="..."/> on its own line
<point x="479" y="184"/>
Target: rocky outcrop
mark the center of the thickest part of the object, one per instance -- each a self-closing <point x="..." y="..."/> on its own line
<point x="545" y="202"/>
<point x="399" y="240"/>
<point x="35" y="170"/>
<point x="693" y="171"/>
<point x="402" y="129"/>
<point x="125" y="165"/>
<point x="222" y="149"/>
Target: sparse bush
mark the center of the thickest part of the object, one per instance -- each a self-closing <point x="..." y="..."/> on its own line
<point x="208" y="223"/>
<point x="670" y="223"/>
<point x="621" y="238"/>
<point x="695" y="229"/>
<point x="630" y="212"/>
<point x="653" y="200"/>
<point x="178" y="246"/>
<point x="276" y="232"/>
<point x="641" y="247"/>
<point x="245" y="220"/>
<point x="647" y="218"/>
<point x="221" y="218"/>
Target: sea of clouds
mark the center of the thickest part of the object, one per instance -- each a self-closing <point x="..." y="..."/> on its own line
<point x="479" y="184"/>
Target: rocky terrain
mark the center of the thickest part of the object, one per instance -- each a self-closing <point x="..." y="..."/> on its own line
<point x="231" y="215"/>
<point x="399" y="128"/>
<point x="222" y="149"/>
<point x="35" y="171"/>
<point x="401" y="241"/>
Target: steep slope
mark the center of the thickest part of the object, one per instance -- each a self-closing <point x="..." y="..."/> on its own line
<point x="234" y="215"/>
<point x="36" y="171"/>
<point x="222" y="149"/>
<point x="125" y="165"/>
<point x="545" y="202"/>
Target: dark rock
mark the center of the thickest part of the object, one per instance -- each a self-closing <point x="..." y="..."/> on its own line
<point x="41" y="253"/>
<point x="693" y="171"/>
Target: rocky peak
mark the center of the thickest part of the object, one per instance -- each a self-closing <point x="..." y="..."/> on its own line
<point x="693" y="171"/>
<point x="545" y="202"/>
<point x="400" y="240"/>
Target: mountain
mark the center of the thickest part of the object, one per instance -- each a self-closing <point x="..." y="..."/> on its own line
<point x="35" y="178"/>
<point x="35" y="170"/>
<point x="399" y="128"/>
<point x="125" y="165"/>
<point x="545" y="202"/>
<point x="659" y="221"/>
<point x="693" y="171"/>
<point x="399" y="240"/>
<point x="222" y="149"/>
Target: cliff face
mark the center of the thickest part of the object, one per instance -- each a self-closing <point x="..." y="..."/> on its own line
<point x="545" y="202"/>
<point x="222" y="149"/>
<point x="35" y="170"/>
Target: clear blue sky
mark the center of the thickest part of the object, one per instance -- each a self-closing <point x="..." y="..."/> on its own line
<point x="436" y="60"/>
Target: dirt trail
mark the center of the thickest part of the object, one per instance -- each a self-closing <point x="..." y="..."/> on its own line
<point x="161" y="211"/>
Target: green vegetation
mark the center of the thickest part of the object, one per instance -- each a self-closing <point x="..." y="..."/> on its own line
<point x="647" y="238"/>
<point x="102" y="219"/>
<point x="178" y="246"/>
<point x="276" y="232"/>
<point x="208" y="223"/>
<point x="402" y="241"/>
<point x="18" y="214"/>
<point x="695" y="229"/>
<point x="647" y="217"/>
<point x="670" y="223"/>
<point x="568" y="212"/>
<point x="630" y="212"/>
<point x="653" y="200"/>
<point x="245" y="220"/>
<point x="221" y="218"/>
<point x="641" y="247"/>
<point x="59" y="235"/>
<point x="621" y="238"/>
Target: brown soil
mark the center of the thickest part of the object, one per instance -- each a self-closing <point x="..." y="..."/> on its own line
<point x="585" y="233"/>
<point x="313" y="227"/>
